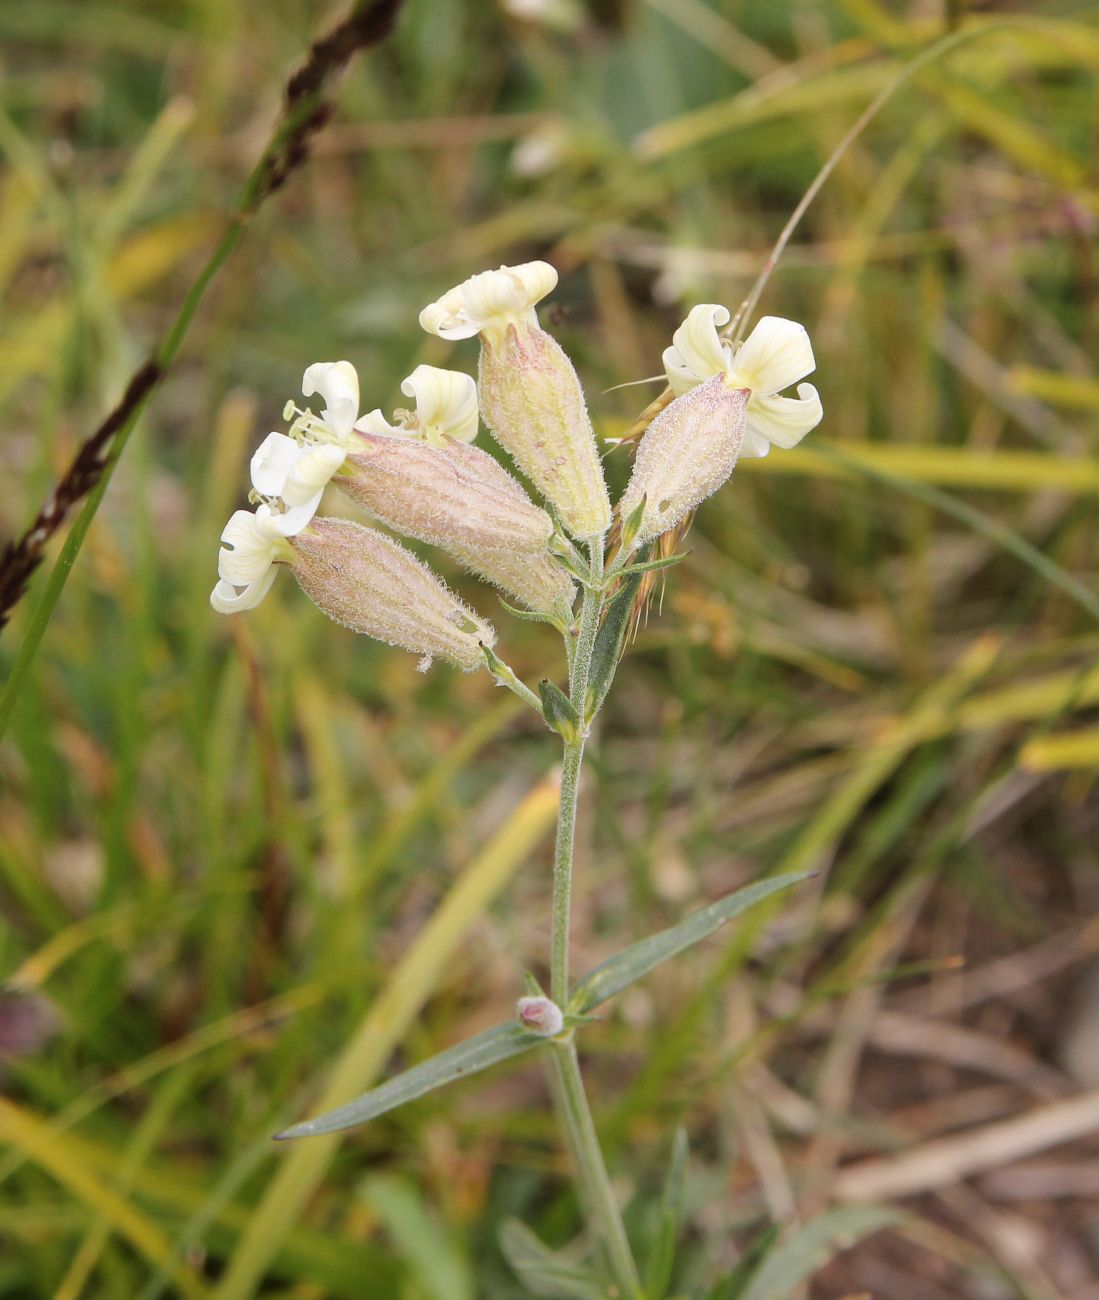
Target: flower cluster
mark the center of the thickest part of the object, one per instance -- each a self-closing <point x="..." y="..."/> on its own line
<point x="421" y="476"/>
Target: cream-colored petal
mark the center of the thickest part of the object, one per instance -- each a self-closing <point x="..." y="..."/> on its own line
<point x="490" y="301"/>
<point x="697" y="352"/>
<point x="775" y="355"/>
<point x="753" y="446"/>
<point x="375" y="422"/>
<point x="447" y="324"/>
<point x="294" y="518"/>
<point x="784" y="421"/>
<point x="248" y="549"/>
<point x="310" y="475"/>
<point x="273" y="461"/>
<point x="446" y="403"/>
<point x="338" y="383"/>
<point x="229" y="599"/>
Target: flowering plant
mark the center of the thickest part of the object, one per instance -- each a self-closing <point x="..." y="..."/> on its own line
<point x="421" y="475"/>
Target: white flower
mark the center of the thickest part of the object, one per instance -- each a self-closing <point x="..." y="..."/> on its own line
<point x="446" y="407"/>
<point x="253" y="545"/>
<point x="283" y="467"/>
<point x="489" y="302"/>
<point x="776" y="354"/>
<point x="338" y="384"/>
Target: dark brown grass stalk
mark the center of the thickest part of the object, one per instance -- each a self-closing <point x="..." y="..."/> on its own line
<point x="305" y="112"/>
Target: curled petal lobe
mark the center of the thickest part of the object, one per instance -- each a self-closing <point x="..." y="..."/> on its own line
<point x="698" y="352"/>
<point x="252" y="545"/>
<point x="775" y="355"/>
<point x="781" y="421"/>
<point x="447" y="317"/>
<point x="446" y="403"/>
<point x="489" y="302"/>
<point x="273" y="461"/>
<point x="338" y="384"/>
<point x="249" y="542"/>
<point x="226" y="598"/>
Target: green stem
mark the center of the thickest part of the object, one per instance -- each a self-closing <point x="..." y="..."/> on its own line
<point x="562" y="872"/>
<point x="598" y="1196"/>
<point x="579" y="671"/>
<point x="597" y="1191"/>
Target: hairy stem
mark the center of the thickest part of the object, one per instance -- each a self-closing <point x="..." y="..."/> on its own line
<point x="579" y="671"/>
<point x="598" y="1194"/>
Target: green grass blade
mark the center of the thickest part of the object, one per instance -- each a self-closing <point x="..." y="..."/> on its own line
<point x="658" y="1273"/>
<point x="441" y="1273"/>
<point x="629" y="965"/>
<point x="810" y="1247"/>
<point x="499" y="1043"/>
<point x="541" y="1270"/>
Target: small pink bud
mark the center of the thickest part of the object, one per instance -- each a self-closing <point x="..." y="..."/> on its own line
<point x="540" y="1016"/>
<point x="371" y="584"/>
<point x="686" y="454"/>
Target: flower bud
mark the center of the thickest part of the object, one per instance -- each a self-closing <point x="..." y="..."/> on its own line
<point x="533" y="404"/>
<point x="541" y="1016"/>
<point x="530" y="394"/>
<point x="686" y="454"/>
<point x="454" y="495"/>
<point x="373" y="585"/>
<point x="534" y="580"/>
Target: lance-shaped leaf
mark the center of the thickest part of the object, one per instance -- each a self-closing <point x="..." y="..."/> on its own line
<point x="476" y="1053"/>
<point x="621" y="970"/>
<point x="650" y="566"/>
<point x="542" y="1270"/>
<point x="558" y="712"/>
<point x="610" y="639"/>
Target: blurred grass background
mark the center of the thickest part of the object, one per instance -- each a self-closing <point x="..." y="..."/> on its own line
<point x="221" y="841"/>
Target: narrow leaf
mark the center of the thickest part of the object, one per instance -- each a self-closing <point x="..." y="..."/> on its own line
<point x="811" y="1247"/>
<point x="527" y="615"/>
<point x="658" y="1273"/>
<point x="443" y="1272"/>
<point x="624" y="968"/>
<point x="609" y="641"/>
<point x="664" y="562"/>
<point x="558" y="712"/>
<point x="732" y="1287"/>
<point x="477" y="1053"/>
<point x="542" y="1270"/>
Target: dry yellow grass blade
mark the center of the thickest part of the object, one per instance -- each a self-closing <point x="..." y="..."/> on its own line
<point x="996" y="471"/>
<point x="383" y="1026"/>
<point x="1048" y="697"/>
<point x="32" y="1136"/>
<point x="962" y="467"/>
<point x="1079" y="392"/>
<point x="929" y="716"/>
<point x="33" y="339"/>
<point x="1057" y="753"/>
<point x="1036" y="43"/>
